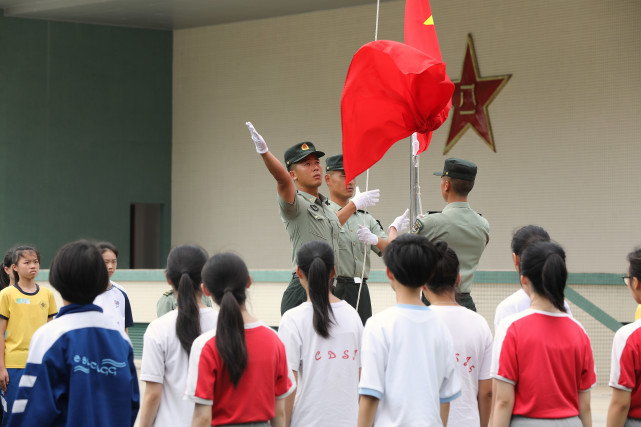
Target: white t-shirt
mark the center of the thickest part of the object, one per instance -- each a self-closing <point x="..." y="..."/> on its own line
<point x="328" y="368"/>
<point x="115" y="304"/>
<point x="517" y="302"/>
<point x="164" y="361"/>
<point x="473" y="354"/>
<point x="408" y="364"/>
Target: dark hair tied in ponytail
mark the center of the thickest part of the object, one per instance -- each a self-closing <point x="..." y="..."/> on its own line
<point x="184" y="265"/>
<point x="316" y="260"/>
<point x="543" y="263"/>
<point x="226" y="277"/>
<point x="5" y="279"/>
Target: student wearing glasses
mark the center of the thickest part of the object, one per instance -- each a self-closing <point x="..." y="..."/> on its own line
<point x="625" y="373"/>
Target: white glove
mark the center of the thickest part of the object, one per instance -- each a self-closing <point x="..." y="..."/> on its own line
<point x="401" y="223"/>
<point x="366" y="236"/>
<point x="261" y="145"/>
<point x="415" y="145"/>
<point x="368" y="198"/>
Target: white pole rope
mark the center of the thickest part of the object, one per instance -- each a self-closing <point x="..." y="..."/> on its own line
<point x="365" y="246"/>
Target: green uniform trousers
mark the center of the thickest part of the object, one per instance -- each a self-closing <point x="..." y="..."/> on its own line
<point x="293" y="296"/>
<point x="347" y="290"/>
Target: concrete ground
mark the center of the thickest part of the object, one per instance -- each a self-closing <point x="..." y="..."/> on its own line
<point x="600" y="401"/>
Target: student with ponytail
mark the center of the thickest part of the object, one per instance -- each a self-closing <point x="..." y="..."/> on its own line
<point x="323" y="341"/>
<point x="237" y="373"/>
<point x="625" y="404"/>
<point x="519" y="300"/>
<point x="168" y="341"/>
<point x="542" y="362"/>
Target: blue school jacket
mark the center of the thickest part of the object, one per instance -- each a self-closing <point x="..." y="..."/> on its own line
<point x="80" y="371"/>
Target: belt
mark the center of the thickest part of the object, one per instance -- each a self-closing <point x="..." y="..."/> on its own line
<point x="346" y="279"/>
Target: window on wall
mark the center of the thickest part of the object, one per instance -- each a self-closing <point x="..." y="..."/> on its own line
<point x="145" y="235"/>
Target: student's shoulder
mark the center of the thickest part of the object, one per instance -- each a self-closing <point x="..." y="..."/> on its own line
<point x="630" y="333"/>
<point x="45" y="292"/>
<point x="263" y="335"/>
<point x="344" y="307"/>
<point x="517" y="300"/>
<point x="263" y="329"/>
<point x="477" y="321"/>
<point x="66" y="327"/>
<point x="396" y="313"/>
<point x="7" y="291"/>
<point x="204" y="339"/>
<point x="118" y="287"/>
<point x="295" y="316"/>
<point x="346" y="313"/>
<point x="43" y="339"/>
<point x="165" y="321"/>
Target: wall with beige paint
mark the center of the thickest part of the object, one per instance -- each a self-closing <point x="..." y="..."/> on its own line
<point x="566" y="125"/>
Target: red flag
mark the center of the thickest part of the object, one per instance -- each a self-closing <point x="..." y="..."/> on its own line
<point x="419" y="28"/>
<point x="391" y="91"/>
<point x="421" y="34"/>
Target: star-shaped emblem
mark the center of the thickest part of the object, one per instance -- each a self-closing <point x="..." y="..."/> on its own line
<point x="472" y="95"/>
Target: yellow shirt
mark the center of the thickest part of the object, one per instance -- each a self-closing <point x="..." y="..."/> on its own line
<point x="637" y="313"/>
<point x="24" y="313"/>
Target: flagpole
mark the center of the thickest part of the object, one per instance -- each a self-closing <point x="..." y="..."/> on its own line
<point x="415" y="188"/>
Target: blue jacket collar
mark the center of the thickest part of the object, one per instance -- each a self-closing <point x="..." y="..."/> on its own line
<point x="78" y="308"/>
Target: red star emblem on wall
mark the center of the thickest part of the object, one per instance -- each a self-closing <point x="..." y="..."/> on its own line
<point x="472" y="95"/>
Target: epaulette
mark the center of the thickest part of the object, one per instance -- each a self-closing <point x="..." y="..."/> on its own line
<point x="169" y="293"/>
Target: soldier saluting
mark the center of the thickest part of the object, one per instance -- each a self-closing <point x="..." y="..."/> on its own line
<point x="302" y="208"/>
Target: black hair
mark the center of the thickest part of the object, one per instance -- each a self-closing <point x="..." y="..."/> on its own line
<point x="225" y="276"/>
<point x="446" y="270"/>
<point x="78" y="272"/>
<point x="411" y="258"/>
<point x="184" y="266"/>
<point x="461" y="187"/>
<point x="527" y="235"/>
<point x="106" y="246"/>
<point x="316" y="260"/>
<point x="543" y="263"/>
<point x="634" y="258"/>
<point x="18" y="252"/>
<point x="5" y="279"/>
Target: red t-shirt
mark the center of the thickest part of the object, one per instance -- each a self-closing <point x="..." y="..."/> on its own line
<point x="626" y="364"/>
<point x="548" y="359"/>
<point x="265" y="378"/>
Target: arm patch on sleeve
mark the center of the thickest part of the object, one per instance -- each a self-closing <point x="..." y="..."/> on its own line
<point x="417" y="227"/>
